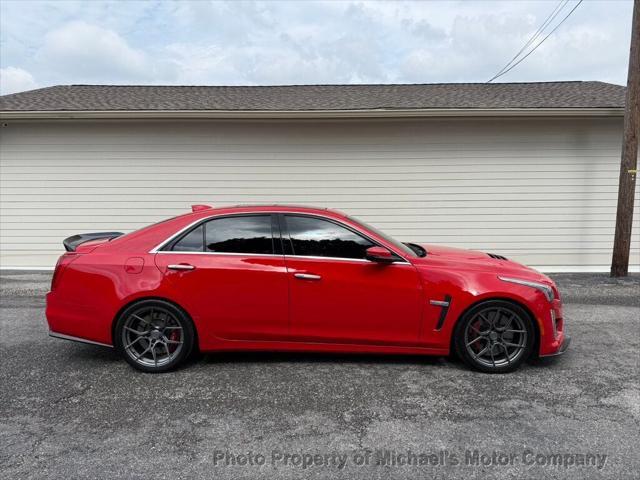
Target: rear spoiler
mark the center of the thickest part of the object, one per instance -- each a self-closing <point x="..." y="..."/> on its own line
<point x="71" y="243"/>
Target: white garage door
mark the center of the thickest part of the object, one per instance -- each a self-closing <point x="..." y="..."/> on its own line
<point x="541" y="192"/>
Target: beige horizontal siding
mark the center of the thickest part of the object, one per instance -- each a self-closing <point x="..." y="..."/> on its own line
<point x="542" y="191"/>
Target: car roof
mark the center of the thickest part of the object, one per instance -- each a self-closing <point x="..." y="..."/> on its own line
<point x="151" y="235"/>
<point x="277" y="207"/>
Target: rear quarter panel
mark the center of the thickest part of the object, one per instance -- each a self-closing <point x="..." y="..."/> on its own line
<point x="93" y="289"/>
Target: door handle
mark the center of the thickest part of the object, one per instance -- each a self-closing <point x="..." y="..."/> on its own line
<point x="307" y="276"/>
<point x="181" y="266"/>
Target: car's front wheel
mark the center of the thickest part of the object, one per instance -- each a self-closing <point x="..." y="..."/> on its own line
<point x="495" y="336"/>
<point x="154" y="336"/>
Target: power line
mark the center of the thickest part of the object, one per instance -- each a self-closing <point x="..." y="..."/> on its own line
<point x="535" y="48"/>
<point x="558" y="8"/>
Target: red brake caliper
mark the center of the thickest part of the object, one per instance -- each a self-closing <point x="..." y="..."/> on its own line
<point x="173" y="336"/>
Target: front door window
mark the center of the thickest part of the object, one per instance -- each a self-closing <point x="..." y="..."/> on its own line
<point x="314" y="237"/>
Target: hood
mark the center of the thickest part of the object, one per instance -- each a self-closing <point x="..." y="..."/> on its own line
<point x="476" y="260"/>
<point x="454" y="253"/>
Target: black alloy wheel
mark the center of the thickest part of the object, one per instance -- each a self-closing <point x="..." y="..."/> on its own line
<point x="154" y="336"/>
<point x="495" y="336"/>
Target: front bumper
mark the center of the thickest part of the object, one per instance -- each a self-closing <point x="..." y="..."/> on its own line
<point x="552" y="328"/>
<point x="562" y="349"/>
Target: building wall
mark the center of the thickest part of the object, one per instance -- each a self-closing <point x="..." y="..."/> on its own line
<point x="541" y="191"/>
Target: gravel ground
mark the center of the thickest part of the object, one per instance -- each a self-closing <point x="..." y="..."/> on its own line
<point x="70" y="410"/>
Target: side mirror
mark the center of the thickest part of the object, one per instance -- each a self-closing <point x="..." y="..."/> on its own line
<point x="380" y="255"/>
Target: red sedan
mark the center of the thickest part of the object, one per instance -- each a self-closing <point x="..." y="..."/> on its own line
<point x="292" y="278"/>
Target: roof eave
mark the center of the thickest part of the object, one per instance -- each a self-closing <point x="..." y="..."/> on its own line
<point x="311" y="114"/>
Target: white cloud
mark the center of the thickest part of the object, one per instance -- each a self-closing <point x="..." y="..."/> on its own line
<point x="14" y="80"/>
<point x="92" y="53"/>
<point x="476" y="47"/>
<point x="237" y="42"/>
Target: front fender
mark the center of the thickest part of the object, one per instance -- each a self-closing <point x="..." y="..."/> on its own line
<point x="468" y="288"/>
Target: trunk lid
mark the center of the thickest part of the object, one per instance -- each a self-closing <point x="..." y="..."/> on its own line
<point x="88" y="241"/>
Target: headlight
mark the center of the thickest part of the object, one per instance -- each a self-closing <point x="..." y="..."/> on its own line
<point x="546" y="289"/>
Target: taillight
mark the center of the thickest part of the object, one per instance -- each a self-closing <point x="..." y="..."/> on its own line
<point x="62" y="263"/>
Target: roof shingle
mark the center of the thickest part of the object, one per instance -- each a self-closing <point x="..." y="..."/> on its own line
<point x="318" y="97"/>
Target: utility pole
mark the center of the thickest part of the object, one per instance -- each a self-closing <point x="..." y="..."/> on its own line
<point x="629" y="160"/>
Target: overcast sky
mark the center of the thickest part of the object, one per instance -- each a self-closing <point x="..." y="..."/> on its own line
<point x="299" y="42"/>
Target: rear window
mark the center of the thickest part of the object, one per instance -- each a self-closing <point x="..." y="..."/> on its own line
<point x="146" y="227"/>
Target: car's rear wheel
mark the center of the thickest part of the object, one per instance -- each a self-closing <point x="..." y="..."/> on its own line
<point x="495" y="336"/>
<point x="154" y="336"/>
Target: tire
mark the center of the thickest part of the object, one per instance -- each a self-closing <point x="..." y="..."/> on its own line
<point x="154" y="336"/>
<point x="495" y="336"/>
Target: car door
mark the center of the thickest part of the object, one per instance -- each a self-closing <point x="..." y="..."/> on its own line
<point x="230" y="274"/>
<point x="338" y="296"/>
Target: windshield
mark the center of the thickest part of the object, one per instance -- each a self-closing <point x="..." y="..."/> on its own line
<point x="407" y="250"/>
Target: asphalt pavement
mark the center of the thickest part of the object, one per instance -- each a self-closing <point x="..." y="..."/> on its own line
<point x="70" y="410"/>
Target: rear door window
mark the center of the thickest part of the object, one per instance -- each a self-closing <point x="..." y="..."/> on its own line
<point x="191" y="242"/>
<point x="243" y="234"/>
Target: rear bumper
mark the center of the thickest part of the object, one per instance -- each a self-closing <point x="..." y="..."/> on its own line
<point x="71" y="320"/>
<point x="562" y="349"/>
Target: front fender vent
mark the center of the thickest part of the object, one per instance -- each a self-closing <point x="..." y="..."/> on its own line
<point x="497" y="257"/>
